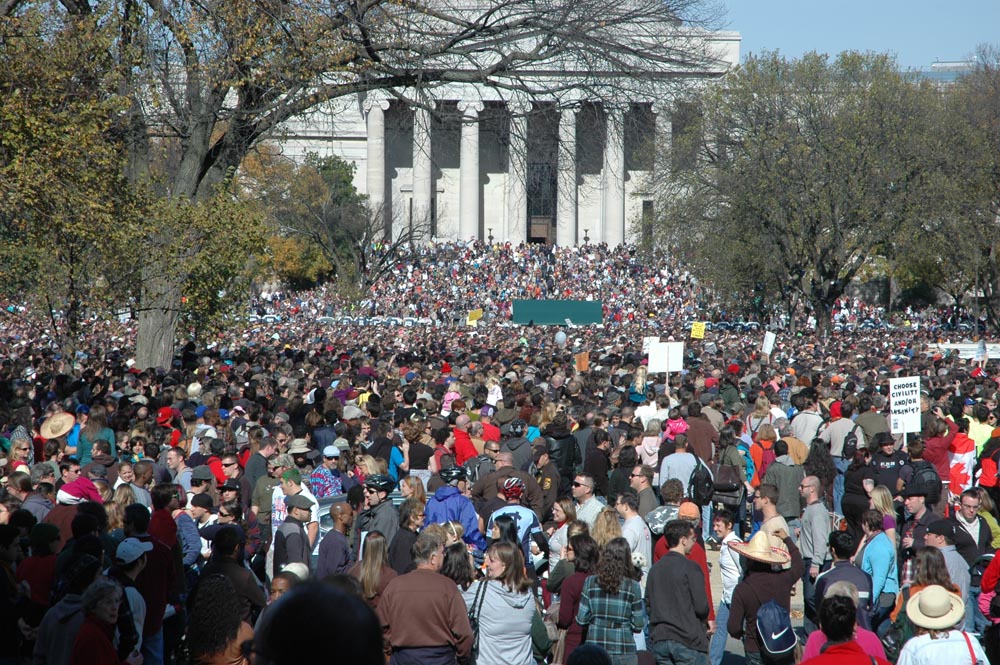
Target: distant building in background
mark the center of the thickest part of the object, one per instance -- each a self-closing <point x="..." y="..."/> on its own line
<point x="946" y="72"/>
<point x="489" y="165"/>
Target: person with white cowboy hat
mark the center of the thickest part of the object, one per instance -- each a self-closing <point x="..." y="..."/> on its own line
<point x="936" y="613"/>
<point x="766" y="579"/>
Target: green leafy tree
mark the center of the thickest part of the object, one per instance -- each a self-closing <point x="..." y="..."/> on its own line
<point x="800" y="171"/>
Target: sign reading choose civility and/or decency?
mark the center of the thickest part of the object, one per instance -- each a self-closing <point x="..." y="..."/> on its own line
<point x="904" y="405"/>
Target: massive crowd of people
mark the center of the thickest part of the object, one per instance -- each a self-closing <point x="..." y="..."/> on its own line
<point x="429" y="494"/>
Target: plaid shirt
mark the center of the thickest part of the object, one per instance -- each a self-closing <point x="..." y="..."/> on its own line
<point x="612" y="618"/>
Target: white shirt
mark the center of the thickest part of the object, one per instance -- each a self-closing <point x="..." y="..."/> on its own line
<point x="952" y="648"/>
<point x="279" y="511"/>
<point x="729" y="567"/>
<point x="635" y="531"/>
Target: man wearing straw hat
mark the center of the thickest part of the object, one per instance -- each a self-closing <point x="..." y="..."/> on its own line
<point x="765" y="579"/>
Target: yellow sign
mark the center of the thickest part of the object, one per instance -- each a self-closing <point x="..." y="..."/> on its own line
<point x="698" y="330"/>
<point x="472" y="320"/>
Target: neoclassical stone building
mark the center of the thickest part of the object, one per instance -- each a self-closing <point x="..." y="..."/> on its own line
<point x="465" y="161"/>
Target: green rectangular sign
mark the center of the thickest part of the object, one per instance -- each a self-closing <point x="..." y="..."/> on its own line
<point x="555" y="312"/>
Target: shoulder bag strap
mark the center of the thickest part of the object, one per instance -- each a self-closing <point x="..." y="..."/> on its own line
<point x="968" y="643"/>
<point x="478" y="604"/>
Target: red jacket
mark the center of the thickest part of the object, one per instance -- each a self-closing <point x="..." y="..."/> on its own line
<point x="93" y="644"/>
<point x="847" y="653"/>
<point x="697" y="554"/>
<point x="464" y="448"/>
<point x="936" y="451"/>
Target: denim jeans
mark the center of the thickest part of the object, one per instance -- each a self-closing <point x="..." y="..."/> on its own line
<point x="670" y="652"/>
<point x="975" y="622"/>
<point x="838" y="483"/>
<point x="717" y="647"/>
<point x="152" y="649"/>
<point x="706" y="522"/>
<point x="809" y="623"/>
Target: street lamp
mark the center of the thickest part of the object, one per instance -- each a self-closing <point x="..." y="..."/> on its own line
<point x="490" y="236"/>
<point x="586" y="236"/>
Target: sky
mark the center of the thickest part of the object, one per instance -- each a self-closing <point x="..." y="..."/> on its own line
<point x="919" y="32"/>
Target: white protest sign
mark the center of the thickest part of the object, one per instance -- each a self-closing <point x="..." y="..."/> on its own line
<point x="904" y="405"/>
<point x="768" y="345"/>
<point x="666" y="357"/>
<point x="675" y="356"/>
<point x="658" y="360"/>
<point x="647" y="342"/>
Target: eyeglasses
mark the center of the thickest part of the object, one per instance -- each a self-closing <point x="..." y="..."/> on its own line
<point x="493" y="450"/>
<point x="635" y="475"/>
<point x="576" y="484"/>
<point x="229" y="464"/>
<point x="975" y="507"/>
<point x="370" y="490"/>
<point x="222" y="514"/>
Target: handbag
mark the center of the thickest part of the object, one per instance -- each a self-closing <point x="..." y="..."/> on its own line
<point x="474" y="612"/>
<point x="556" y="634"/>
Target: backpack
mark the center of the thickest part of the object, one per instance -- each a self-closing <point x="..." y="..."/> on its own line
<point x="701" y="485"/>
<point x="900" y="631"/>
<point x="774" y="631"/>
<point x="850" y="448"/>
<point x="766" y="458"/>
<point x="925" y="475"/>
<point x="474" y="468"/>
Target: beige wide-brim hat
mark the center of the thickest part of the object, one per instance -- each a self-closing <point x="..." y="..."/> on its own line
<point x="57" y="425"/>
<point x="762" y="548"/>
<point x="935" y="608"/>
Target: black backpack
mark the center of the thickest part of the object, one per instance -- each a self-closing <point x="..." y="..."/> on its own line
<point x="925" y="476"/>
<point x="850" y="448"/>
<point x="701" y="484"/>
<point x="474" y="468"/>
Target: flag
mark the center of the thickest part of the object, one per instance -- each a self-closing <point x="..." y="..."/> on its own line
<point x="962" y="459"/>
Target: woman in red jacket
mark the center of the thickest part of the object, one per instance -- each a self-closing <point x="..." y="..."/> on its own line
<point x="93" y="644"/>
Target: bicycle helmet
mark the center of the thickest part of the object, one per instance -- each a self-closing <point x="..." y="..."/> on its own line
<point x="513" y="488"/>
<point x="453" y="474"/>
<point x="380" y="482"/>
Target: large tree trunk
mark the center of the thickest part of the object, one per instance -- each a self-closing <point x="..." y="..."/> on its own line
<point x="158" y="316"/>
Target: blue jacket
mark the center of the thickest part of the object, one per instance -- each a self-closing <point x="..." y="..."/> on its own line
<point x="880" y="562"/>
<point x="448" y="504"/>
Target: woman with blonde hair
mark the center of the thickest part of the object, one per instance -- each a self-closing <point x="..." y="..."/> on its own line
<point x="413" y="487"/>
<point x="373" y="570"/>
<point x="124" y="496"/>
<point x="606" y="527"/>
<point x="881" y="500"/>
<point x="761" y="415"/>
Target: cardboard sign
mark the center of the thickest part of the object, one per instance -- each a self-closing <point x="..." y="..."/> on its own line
<point x="583" y="361"/>
<point x="698" y="330"/>
<point x="768" y="345"/>
<point x="904" y="405"/>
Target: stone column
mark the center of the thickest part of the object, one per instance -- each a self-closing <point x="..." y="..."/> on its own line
<point x="614" y="177"/>
<point x="517" y="175"/>
<point x="422" y="183"/>
<point x="664" y="136"/>
<point x="375" y="163"/>
<point x="469" y="188"/>
<point x="566" y="227"/>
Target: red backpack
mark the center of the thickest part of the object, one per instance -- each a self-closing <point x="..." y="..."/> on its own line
<point x="767" y="456"/>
